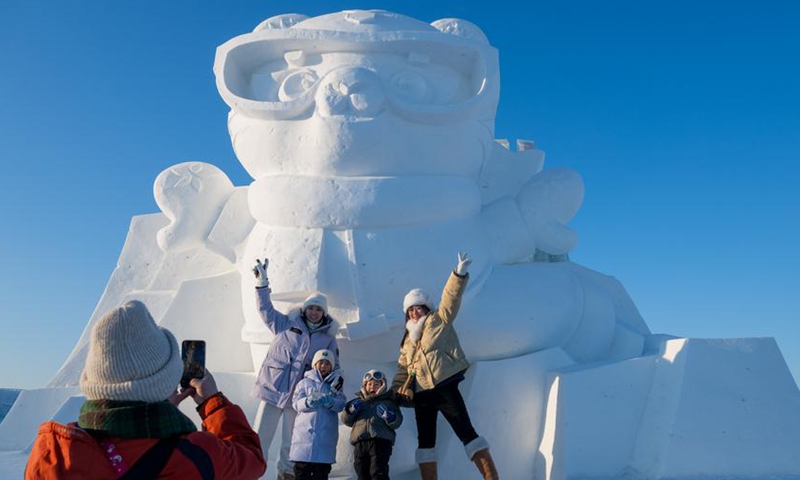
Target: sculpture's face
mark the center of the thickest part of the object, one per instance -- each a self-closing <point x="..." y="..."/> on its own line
<point x="358" y="94"/>
<point x="359" y="86"/>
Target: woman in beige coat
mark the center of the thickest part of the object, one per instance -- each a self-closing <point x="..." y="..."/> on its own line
<point x="430" y="367"/>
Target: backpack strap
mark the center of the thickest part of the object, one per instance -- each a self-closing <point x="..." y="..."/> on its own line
<point x="150" y="465"/>
<point x="198" y="456"/>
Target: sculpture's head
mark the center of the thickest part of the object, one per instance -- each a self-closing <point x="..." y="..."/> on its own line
<point x="360" y="93"/>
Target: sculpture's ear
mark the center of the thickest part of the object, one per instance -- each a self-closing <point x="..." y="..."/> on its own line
<point x="460" y="28"/>
<point x="278" y="22"/>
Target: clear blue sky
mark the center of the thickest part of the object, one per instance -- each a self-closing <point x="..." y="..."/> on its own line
<point x="683" y="118"/>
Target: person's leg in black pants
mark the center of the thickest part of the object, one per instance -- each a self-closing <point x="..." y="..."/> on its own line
<point x="381" y="451"/>
<point x="311" y="471"/>
<point x="425" y="414"/>
<point x="303" y="471"/>
<point x="452" y="406"/>
<point x="321" y="471"/>
<point x="361" y="460"/>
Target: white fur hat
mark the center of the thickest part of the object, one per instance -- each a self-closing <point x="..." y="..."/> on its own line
<point x="323" y="354"/>
<point x="317" y="299"/>
<point x="131" y="358"/>
<point x="416" y="297"/>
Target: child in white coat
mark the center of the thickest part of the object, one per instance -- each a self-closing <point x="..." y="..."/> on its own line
<point x="317" y="399"/>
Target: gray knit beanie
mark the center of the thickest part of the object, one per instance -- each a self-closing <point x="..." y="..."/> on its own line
<point x="131" y="358"/>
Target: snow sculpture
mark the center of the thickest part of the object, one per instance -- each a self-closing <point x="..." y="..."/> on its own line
<point x="370" y="139"/>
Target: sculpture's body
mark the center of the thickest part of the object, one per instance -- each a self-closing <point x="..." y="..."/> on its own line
<point x="370" y="138"/>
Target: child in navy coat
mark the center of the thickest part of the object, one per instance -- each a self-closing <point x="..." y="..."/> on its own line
<point x="374" y="416"/>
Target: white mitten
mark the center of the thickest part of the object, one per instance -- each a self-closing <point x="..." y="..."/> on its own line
<point x="260" y="271"/>
<point x="463" y="264"/>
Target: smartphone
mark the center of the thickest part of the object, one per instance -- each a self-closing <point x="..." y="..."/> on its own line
<point x="193" y="354"/>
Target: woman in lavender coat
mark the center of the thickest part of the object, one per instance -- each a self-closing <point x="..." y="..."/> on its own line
<point x="298" y="335"/>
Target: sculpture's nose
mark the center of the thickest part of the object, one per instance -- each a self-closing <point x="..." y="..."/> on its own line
<point x="351" y="92"/>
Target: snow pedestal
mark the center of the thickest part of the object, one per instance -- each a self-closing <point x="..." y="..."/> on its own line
<point x="506" y="401"/>
<point x="697" y="408"/>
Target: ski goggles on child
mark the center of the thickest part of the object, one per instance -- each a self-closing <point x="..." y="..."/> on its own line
<point x="374" y="375"/>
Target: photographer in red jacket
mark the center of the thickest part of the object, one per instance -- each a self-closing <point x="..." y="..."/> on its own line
<point x="130" y="426"/>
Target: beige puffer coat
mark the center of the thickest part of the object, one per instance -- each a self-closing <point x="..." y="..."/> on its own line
<point x="437" y="356"/>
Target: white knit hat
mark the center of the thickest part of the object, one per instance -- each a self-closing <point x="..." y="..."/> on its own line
<point x="131" y="358"/>
<point x="323" y="354"/>
<point x="416" y="297"/>
<point x="317" y="299"/>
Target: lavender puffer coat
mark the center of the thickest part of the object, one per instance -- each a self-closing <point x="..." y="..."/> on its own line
<point x="316" y="430"/>
<point x="290" y="353"/>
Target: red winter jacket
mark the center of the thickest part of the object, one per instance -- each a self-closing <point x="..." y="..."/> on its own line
<point x="68" y="452"/>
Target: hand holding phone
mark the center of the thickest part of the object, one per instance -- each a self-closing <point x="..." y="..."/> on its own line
<point x="193" y="354"/>
<point x="204" y="388"/>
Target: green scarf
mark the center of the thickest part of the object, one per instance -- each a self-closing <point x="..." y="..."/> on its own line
<point x="134" y="419"/>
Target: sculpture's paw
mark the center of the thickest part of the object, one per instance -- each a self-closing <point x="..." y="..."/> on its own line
<point x="547" y="202"/>
<point x="191" y="195"/>
<point x="527" y="218"/>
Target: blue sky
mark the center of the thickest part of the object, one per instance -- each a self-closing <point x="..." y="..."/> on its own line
<point x="682" y="117"/>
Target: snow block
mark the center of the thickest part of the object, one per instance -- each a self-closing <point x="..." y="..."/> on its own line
<point x="697" y="409"/>
<point x="68" y="412"/>
<point x="506" y="401"/>
<point x="12" y="464"/>
<point x="210" y="309"/>
<point x="720" y="408"/>
<point x="178" y="267"/>
<point x="32" y="407"/>
<point x="234" y="224"/>
<point x="593" y="414"/>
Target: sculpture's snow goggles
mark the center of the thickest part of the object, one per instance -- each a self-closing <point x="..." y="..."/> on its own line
<point x="376" y="375"/>
<point x="429" y="73"/>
